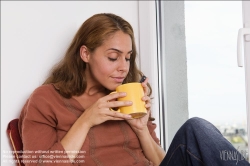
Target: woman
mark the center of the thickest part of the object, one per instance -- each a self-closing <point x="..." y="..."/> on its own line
<point x="67" y="120"/>
<point x="70" y="112"/>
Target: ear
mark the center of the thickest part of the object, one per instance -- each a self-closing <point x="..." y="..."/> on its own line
<point x="84" y="53"/>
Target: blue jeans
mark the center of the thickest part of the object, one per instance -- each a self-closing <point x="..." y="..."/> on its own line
<point x="199" y="143"/>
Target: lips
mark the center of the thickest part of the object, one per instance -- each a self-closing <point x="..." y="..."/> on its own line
<point x="118" y="79"/>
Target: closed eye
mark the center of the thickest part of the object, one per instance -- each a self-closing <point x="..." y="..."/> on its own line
<point x="112" y="59"/>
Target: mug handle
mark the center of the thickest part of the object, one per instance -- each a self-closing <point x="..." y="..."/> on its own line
<point x="113" y="109"/>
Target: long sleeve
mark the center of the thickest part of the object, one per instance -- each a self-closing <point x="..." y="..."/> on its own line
<point x="38" y="128"/>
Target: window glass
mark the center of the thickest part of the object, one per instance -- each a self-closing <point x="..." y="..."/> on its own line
<point x="216" y="85"/>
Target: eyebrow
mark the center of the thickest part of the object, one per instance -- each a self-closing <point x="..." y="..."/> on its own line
<point x="114" y="49"/>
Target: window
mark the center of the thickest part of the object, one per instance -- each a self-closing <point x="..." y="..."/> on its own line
<point x="216" y="86"/>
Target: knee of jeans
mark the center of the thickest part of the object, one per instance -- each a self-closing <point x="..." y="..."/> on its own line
<point x="195" y="121"/>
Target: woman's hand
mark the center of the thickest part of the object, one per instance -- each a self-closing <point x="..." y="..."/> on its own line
<point x="100" y="111"/>
<point x="140" y="124"/>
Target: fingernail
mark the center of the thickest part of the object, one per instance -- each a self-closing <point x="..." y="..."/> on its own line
<point x="123" y="93"/>
<point x="130" y="102"/>
<point x="128" y="116"/>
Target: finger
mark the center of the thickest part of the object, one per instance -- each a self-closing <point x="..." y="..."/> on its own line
<point x="148" y="106"/>
<point x="146" y="98"/>
<point x="113" y="104"/>
<point x="114" y="96"/>
<point x="114" y="114"/>
<point x="114" y="118"/>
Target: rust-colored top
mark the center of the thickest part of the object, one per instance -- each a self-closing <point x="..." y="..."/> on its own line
<point x="47" y="116"/>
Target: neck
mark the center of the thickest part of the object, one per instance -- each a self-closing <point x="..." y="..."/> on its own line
<point x="93" y="87"/>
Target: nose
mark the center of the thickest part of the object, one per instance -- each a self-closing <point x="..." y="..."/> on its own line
<point x="123" y="65"/>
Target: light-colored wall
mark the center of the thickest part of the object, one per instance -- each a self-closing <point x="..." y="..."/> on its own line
<point x="34" y="36"/>
<point x="148" y="52"/>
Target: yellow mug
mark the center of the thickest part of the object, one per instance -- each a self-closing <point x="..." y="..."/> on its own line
<point x="135" y="93"/>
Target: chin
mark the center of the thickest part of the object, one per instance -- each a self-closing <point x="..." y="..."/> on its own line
<point x="113" y="87"/>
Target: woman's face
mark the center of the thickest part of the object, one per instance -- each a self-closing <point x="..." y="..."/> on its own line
<point x="109" y="63"/>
